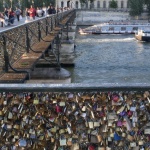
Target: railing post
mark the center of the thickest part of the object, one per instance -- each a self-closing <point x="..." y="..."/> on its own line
<point x="51" y="23"/>
<point x="55" y="20"/>
<point x="46" y="26"/>
<point x="6" y="57"/>
<point x="58" y="49"/>
<point x="67" y="31"/>
<point x="27" y="40"/>
<point x="39" y="32"/>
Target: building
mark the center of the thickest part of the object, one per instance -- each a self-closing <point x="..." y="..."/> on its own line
<point x="97" y="4"/>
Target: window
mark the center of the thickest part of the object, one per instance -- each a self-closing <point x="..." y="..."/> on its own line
<point x="77" y="4"/>
<point x="92" y="5"/>
<point x="98" y="4"/>
<point x="123" y="28"/>
<point x="135" y="28"/>
<point x="68" y="3"/>
<point x="111" y="28"/>
<point x="62" y="4"/>
<point x="104" y="4"/>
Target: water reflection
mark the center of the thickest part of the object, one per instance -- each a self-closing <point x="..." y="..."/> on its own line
<point x="111" y="59"/>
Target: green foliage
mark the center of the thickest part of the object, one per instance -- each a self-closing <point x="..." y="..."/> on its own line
<point x="113" y="4"/>
<point x="136" y="7"/>
<point x="147" y="3"/>
<point x="25" y="3"/>
<point x="1" y="6"/>
<point x="83" y="1"/>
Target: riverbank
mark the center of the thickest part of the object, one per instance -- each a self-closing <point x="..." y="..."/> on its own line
<point x="87" y="18"/>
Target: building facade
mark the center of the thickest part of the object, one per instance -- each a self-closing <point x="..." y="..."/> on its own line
<point x="97" y="4"/>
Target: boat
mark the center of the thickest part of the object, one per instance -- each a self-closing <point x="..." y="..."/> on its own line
<point x="114" y="28"/>
<point x="143" y="35"/>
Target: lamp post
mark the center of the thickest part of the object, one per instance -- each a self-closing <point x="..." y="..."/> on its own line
<point x="11" y="3"/>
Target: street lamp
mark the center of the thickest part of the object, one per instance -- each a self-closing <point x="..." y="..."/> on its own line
<point x="11" y="3"/>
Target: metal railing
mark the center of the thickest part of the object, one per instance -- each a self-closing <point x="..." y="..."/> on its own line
<point x="18" y="40"/>
<point x="106" y="111"/>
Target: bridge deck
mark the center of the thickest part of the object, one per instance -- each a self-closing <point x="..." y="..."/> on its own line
<point x="27" y="61"/>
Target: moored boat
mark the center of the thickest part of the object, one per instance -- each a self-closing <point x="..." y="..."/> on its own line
<point x="107" y="28"/>
<point x="143" y="35"/>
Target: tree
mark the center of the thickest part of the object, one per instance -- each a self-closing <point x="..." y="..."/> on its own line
<point x="1" y="6"/>
<point x="86" y="2"/>
<point x="136" y="7"/>
<point x="147" y="3"/>
<point x="113" y="4"/>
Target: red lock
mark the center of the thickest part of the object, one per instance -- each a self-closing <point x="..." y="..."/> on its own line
<point x="58" y="109"/>
<point x="91" y="147"/>
<point x="129" y="113"/>
<point x="115" y="98"/>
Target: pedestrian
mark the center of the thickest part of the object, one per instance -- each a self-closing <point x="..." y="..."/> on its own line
<point x="32" y="12"/>
<point x="6" y="12"/>
<point x="39" y="12"/>
<point x="18" y="13"/>
<point x="54" y="10"/>
<point x="11" y="16"/>
<point x="50" y="10"/>
<point x="45" y="11"/>
<point x="27" y="14"/>
<point x="2" y="19"/>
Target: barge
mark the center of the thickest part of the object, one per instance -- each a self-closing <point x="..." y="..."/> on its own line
<point x="107" y="28"/>
<point x="143" y="35"/>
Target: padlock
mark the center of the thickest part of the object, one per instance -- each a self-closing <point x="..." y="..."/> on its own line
<point x="120" y="109"/>
<point x="62" y="131"/>
<point x="133" y="144"/>
<point x="22" y="143"/>
<point x="69" y="129"/>
<point x="91" y="124"/>
<point x="96" y="123"/>
<point x="62" y="141"/>
<point x="140" y="142"/>
<point x="10" y="115"/>
<point x="147" y="131"/>
<point x="62" y="103"/>
<point x="58" y="109"/>
<point x="69" y="142"/>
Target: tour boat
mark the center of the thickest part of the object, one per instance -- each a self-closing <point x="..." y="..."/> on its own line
<point x="114" y="28"/>
<point x="143" y="35"/>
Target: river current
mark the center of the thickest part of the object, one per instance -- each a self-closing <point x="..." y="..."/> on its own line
<point x="111" y="59"/>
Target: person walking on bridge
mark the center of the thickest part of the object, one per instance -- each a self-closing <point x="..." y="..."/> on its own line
<point x="18" y="13"/>
<point x="11" y="16"/>
<point x="32" y="12"/>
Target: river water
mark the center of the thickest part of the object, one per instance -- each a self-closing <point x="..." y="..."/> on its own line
<point x="111" y="59"/>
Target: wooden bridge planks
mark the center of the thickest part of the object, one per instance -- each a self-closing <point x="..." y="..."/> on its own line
<point x="28" y="60"/>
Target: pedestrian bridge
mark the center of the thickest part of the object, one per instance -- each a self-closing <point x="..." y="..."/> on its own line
<point x="22" y="46"/>
<point x="64" y="116"/>
<point x="37" y="116"/>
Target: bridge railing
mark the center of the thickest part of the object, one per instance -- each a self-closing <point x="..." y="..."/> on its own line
<point x="18" y="40"/>
<point x="113" y="116"/>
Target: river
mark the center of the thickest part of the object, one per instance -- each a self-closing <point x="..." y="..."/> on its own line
<point x="111" y="59"/>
